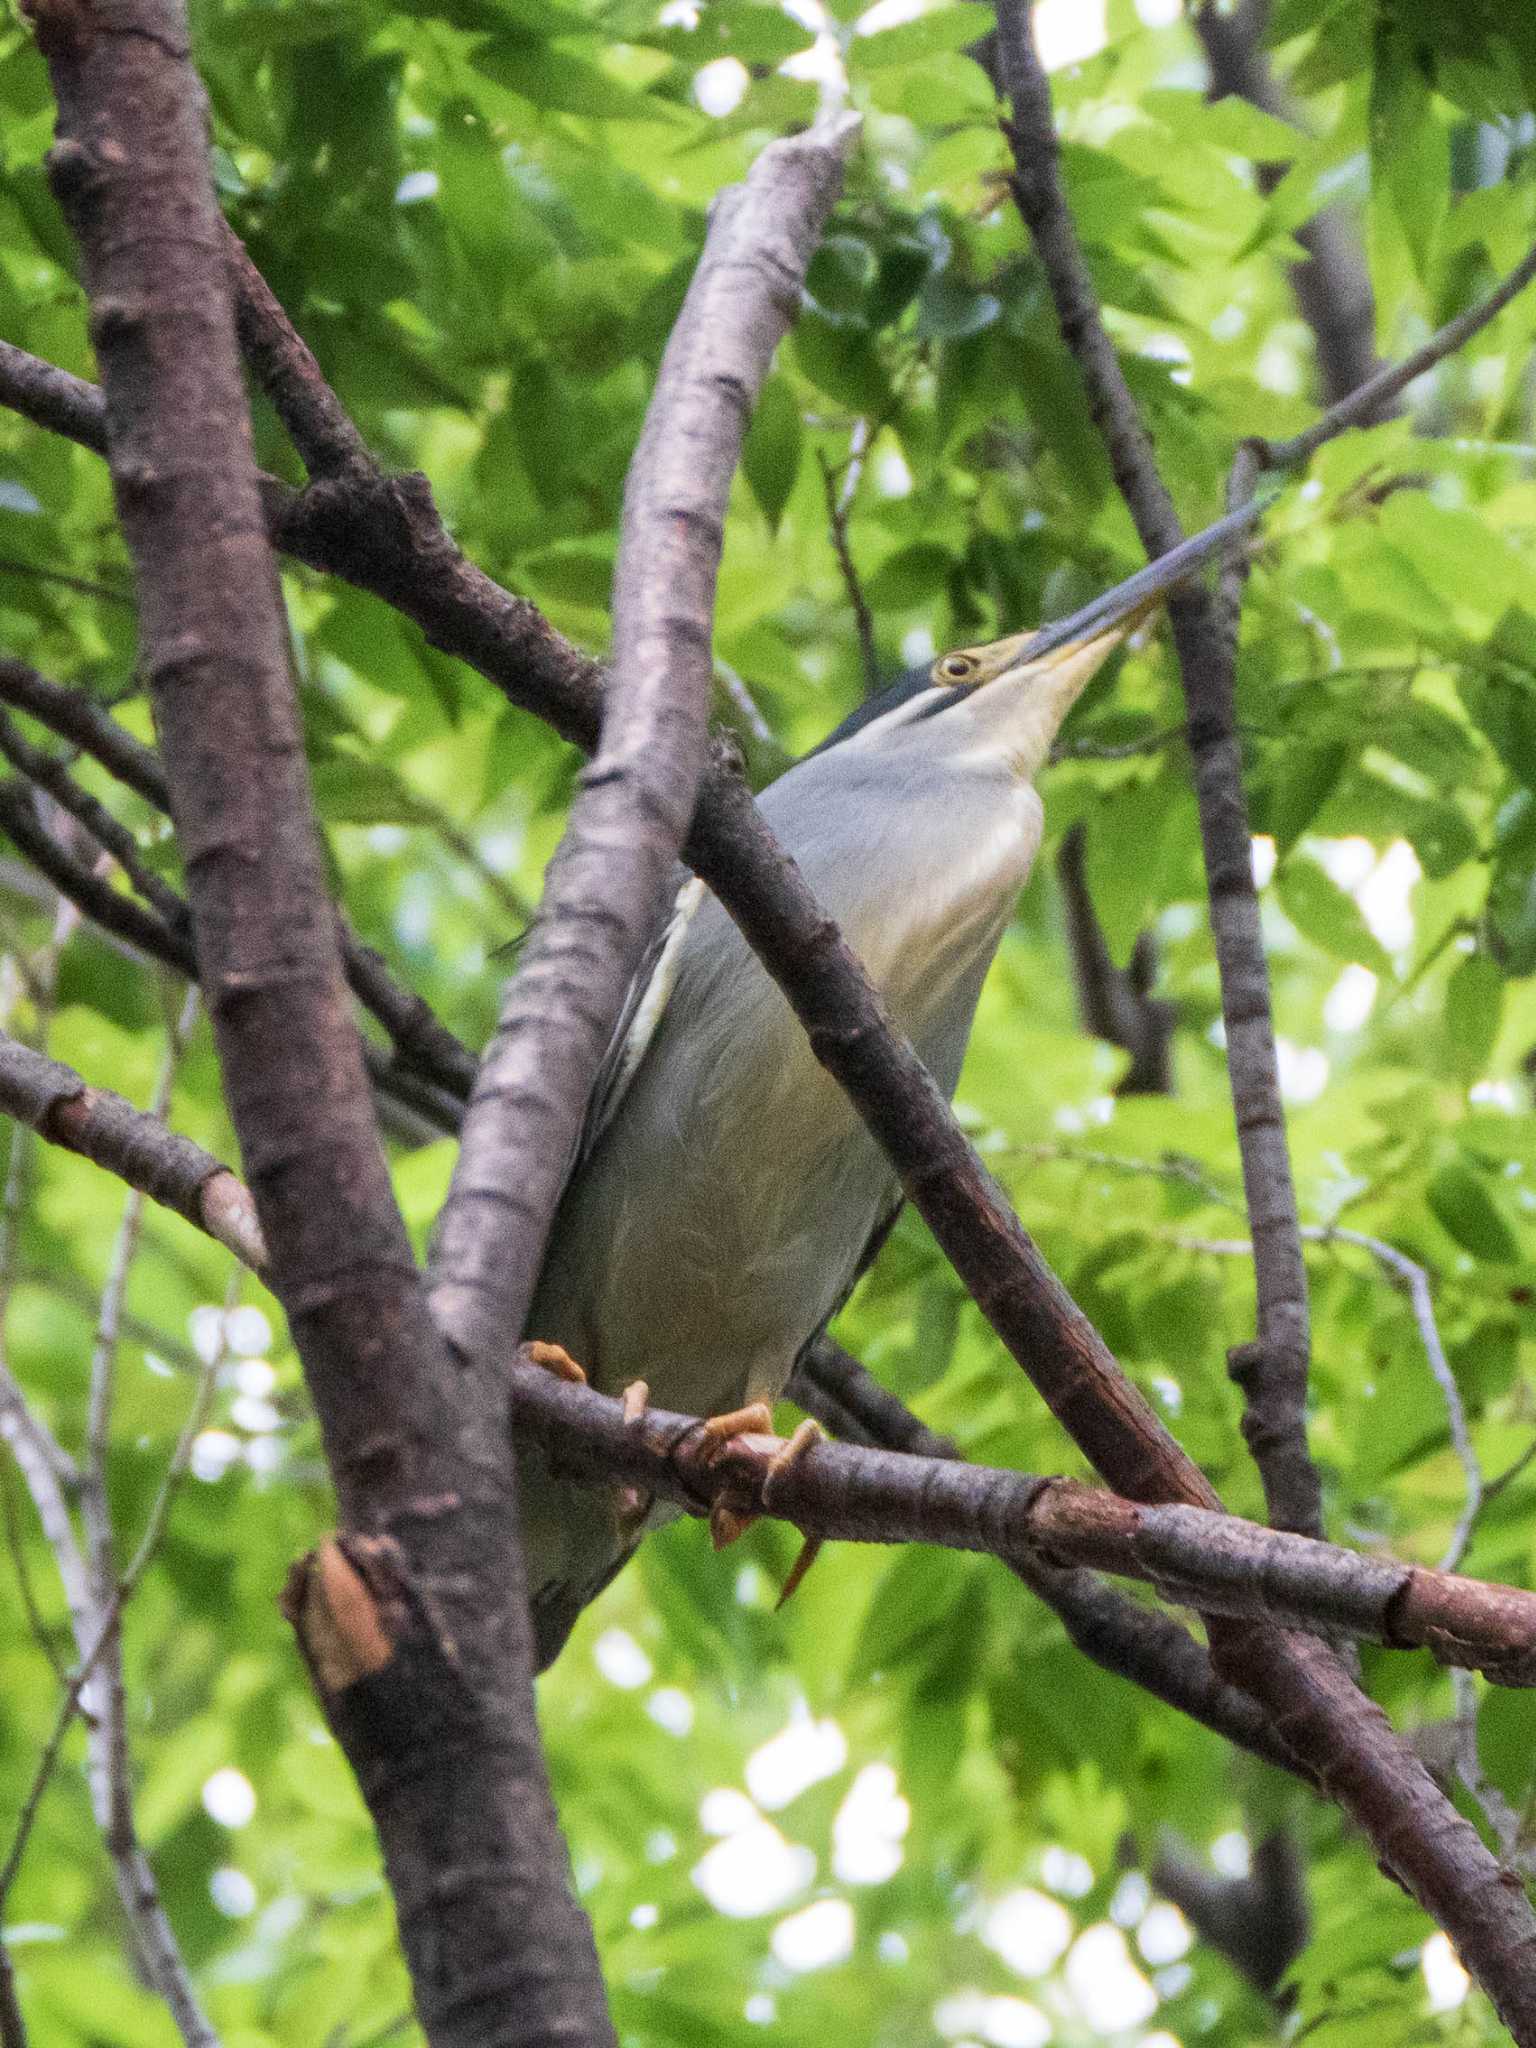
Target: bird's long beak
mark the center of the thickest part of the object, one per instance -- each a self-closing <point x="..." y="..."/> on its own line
<point x="1101" y="625"/>
<point x="1017" y="691"/>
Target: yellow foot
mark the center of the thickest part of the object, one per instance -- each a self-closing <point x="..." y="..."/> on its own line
<point x="632" y="1503"/>
<point x="556" y="1359"/>
<point x="809" y="1432"/>
<point x="727" y="1522"/>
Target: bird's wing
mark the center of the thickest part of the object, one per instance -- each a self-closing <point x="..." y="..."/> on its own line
<point x="644" y="1005"/>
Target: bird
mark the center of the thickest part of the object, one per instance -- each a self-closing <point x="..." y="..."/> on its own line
<point x="725" y="1196"/>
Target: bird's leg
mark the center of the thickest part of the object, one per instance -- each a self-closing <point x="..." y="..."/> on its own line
<point x="728" y="1522"/>
<point x="631" y="1504"/>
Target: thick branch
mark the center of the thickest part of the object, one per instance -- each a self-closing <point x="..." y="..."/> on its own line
<point x="1193" y="1556"/>
<point x="603" y="894"/>
<point x="402" y="1425"/>
<point x="1131" y="1641"/>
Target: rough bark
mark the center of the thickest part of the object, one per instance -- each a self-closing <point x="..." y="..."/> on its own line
<point x="603" y="893"/>
<point x="499" y="1951"/>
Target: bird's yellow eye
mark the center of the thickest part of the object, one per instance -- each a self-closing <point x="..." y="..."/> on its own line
<point x="957" y="668"/>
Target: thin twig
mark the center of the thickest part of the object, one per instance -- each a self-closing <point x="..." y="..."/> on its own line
<point x="94" y="1635"/>
<point x="15" y="1539"/>
<point x="10" y="566"/>
<point x="1378" y="391"/>
<point x="1090" y="749"/>
<point x="1501" y="1819"/>
<point x="839" y="504"/>
<point x="13" y="2029"/>
<point x="419" y="1036"/>
<point x="739" y="692"/>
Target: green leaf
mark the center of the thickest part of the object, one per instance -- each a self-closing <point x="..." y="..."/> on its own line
<point x="1321" y="910"/>
<point x="901" y="266"/>
<point x="948" y="309"/>
<point x="945" y="28"/>
<point x="1410" y="152"/>
<point x="1474" y="1002"/>
<point x="770" y="455"/>
<point x="1465" y="1208"/>
<point x="910" y="577"/>
<point x="839" y="274"/>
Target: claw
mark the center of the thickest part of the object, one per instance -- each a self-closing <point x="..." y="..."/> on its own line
<point x="756" y="1419"/>
<point x="556" y="1359"/>
<point x="809" y="1432"/>
<point x="727" y="1521"/>
<point x="632" y="1503"/>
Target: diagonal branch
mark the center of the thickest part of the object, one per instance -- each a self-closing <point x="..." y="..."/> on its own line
<point x="1272" y="1370"/>
<point x="603" y="894"/>
<point x="420" y="1038"/>
<point x="1393" y="380"/>
<point x="169" y="940"/>
<point x="132" y="1144"/>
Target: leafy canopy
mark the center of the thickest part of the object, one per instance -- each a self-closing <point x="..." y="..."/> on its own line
<point x="483" y="214"/>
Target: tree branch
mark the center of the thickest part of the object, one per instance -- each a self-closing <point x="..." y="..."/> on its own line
<point x="419" y="1036"/>
<point x="465" y="1821"/>
<point x="1190" y="1555"/>
<point x="1273" y="1370"/>
<point x="1389" y="383"/>
<point x="154" y="1938"/>
<point x="1260" y="1923"/>
<point x="96" y="1618"/>
<point x="1115" y="1003"/>
<point x="102" y="1127"/>
<point x="317" y="423"/>
<point x="88" y="889"/>
<point x="603" y="893"/>
<point x="839" y="502"/>
<point x="392" y="543"/>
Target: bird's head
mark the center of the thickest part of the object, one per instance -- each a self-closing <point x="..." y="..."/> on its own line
<point x="1012" y="699"/>
<point x="1003" y="704"/>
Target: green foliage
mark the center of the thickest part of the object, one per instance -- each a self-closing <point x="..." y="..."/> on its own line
<point x="483" y="215"/>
